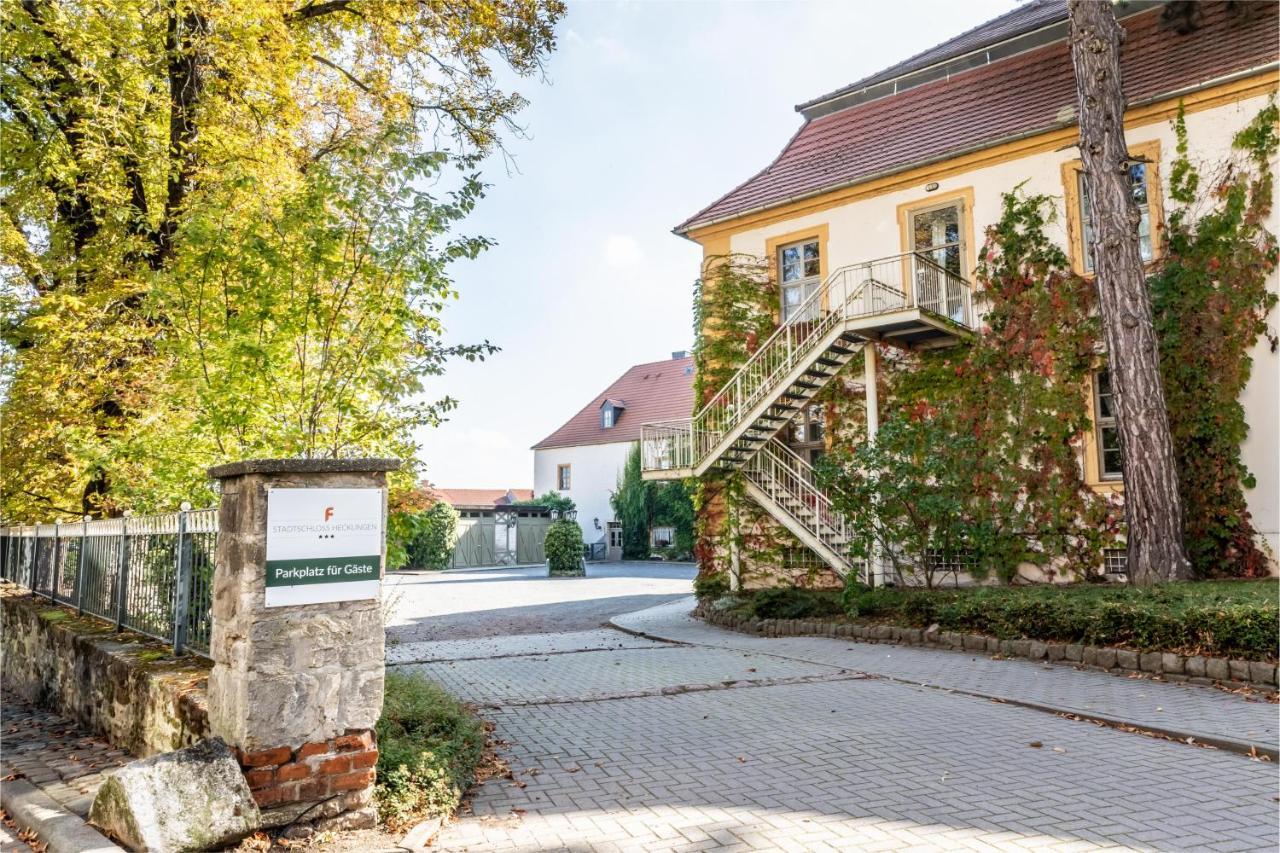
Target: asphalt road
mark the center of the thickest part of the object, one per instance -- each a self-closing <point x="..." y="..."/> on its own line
<point x="476" y="603"/>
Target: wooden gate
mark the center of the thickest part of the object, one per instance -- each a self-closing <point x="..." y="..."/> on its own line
<point x="531" y="537"/>
<point x="501" y="538"/>
<point x="475" y="543"/>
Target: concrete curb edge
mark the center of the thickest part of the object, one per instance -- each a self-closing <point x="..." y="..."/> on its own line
<point x="64" y="832"/>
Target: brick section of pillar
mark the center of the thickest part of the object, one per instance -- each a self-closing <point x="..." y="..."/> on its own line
<point x="341" y="767"/>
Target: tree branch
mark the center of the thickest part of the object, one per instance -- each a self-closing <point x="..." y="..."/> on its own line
<point x="317" y="10"/>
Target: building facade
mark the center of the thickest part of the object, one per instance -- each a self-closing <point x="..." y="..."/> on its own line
<point x="877" y="207"/>
<point x="584" y="458"/>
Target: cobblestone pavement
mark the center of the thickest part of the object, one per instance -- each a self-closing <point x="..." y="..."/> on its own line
<point x="659" y="746"/>
<point x="480" y="603"/>
<point x="55" y="754"/>
<point x="1140" y="701"/>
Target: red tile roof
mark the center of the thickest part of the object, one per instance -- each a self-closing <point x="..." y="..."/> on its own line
<point x="657" y="391"/>
<point x="482" y="497"/>
<point x="1024" y="94"/>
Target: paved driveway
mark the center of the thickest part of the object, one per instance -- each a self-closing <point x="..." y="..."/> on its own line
<point x="484" y="602"/>
<point x="624" y="743"/>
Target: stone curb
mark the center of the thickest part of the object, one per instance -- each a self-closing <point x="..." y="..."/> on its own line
<point x="57" y="827"/>
<point x="1195" y="669"/>
<point x="1224" y="743"/>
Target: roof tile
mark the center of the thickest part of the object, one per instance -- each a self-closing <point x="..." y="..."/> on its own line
<point x="656" y="391"/>
<point x="1023" y="94"/>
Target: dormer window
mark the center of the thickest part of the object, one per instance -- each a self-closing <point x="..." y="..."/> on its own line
<point x="610" y="411"/>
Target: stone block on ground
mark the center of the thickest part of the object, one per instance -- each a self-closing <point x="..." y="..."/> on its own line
<point x="1261" y="672"/>
<point x="1217" y="669"/>
<point x="190" y="799"/>
<point x="1239" y="669"/>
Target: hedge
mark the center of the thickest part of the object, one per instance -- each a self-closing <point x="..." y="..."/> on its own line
<point x="1221" y="618"/>
<point x="1230" y="618"/>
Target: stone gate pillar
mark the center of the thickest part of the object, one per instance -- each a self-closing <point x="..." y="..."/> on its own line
<point x="298" y="638"/>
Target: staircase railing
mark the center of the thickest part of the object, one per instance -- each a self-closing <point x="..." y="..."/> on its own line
<point x="859" y="290"/>
<point x="788" y="480"/>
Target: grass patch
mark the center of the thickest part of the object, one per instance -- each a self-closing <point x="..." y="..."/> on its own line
<point x="429" y="745"/>
<point x="1226" y="618"/>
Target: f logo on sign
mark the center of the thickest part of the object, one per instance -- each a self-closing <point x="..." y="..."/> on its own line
<point x="328" y="513"/>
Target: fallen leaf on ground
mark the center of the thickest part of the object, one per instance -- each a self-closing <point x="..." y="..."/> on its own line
<point x="1035" y="744"/>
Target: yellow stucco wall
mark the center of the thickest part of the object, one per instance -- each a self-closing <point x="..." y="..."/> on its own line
<point x="868" y="221"/>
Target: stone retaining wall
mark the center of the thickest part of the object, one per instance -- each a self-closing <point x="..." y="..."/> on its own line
<point x="1167" y="665"/>
<point x="127" y="688"/>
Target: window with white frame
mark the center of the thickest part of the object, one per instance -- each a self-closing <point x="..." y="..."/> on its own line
<point x="562" y="478"/>
<point x="1138" y="190"/>
<point x="937" y="233"/>
<point x="807" y="433"/>
<point x="800" y="270"/>
<point x="1107" y="433"/>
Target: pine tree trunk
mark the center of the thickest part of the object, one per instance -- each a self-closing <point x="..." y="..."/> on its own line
<point x="1153" y="508"/>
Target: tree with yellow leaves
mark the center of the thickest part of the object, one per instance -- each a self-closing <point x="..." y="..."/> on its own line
<point x="227" y="230"/>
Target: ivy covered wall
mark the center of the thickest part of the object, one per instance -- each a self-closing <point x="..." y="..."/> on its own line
<point x="1009" y="410"/>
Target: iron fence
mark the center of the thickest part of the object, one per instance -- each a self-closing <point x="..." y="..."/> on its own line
<point x="151" y="574"/>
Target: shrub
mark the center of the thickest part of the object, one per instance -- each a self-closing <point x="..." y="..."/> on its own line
<point x="429" y="745"/>
<point x="1236" y="618"/>
<point x="710" y="585"/>
<point x="435" y="534"/>
<point x="551" y="500"/>
<point x="564" y="547"/>
<point x="789" y="602"/>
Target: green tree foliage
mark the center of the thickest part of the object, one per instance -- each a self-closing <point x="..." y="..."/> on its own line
<point x="978" y="455"/>
<point x="630" y="504"/>
<point x="564" y="547"/>
<point x="1211" y="303"/>
<point x="227" y="227"/>
<point x="435" y="536"/>
<point x="551" y="500"/>
<point x="641" y="505"/>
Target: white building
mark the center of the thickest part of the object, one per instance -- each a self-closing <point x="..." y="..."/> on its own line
<point x="585" y="457"/>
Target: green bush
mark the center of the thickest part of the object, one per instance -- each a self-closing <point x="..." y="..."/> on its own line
<point x="564" y="547"/>
<point x="551" y="500"/>
<point x="789" y="602"/>
<point x="710" y="586"/>
<point x="1230" y="618"/>
<point x="429" y="745"/>
<point x="434" y="536"/>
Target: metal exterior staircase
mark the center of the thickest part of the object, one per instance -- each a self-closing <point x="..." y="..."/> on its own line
<point x="906" y="297"/>
<point x="782" y="484"/>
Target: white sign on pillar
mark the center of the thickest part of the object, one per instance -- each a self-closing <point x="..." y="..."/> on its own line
<point x="323" y="545"/>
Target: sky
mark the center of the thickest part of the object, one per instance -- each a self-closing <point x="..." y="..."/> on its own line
<point x="648" y="112"/>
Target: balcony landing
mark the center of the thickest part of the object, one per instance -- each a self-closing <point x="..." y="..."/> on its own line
<point x="914" y="327"/>
<point x="666" y="474"/>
